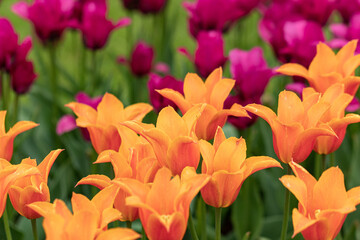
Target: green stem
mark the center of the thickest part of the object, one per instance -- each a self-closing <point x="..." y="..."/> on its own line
<point x="16" y="108"/>
<point x="192" y="227"/>
<point x="34" y="229"/>
<point x="218" y="223"/>
<point x="286" y="210"/>
<point x="53" y="78"/>
<point x="5" y="87"/>
<point x="6" y="225"/>
<point x="82" y="67"/>
<point x="201" y="218"/>
<point x="143" y="234"/>
<point x="128" y="224"/>
<point x="332" y="159"/>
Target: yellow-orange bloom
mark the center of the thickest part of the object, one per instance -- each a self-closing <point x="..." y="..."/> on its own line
<point x="8" y="175"/>
<point x="225" y="161"/>
<point x="164" y="206"/>
<point x="34" y="188"/>
<point x="296" y="126"/>
<point x="173" y="139"/>
<point x="323" y="205"/>
<point x="88" y="221"/>
<point x="103" y="124"/>
<point x="213" y="92"/>
<point x="334" y="117"/>
<point x="7" y="138"/>
<point x="328" y="68"/>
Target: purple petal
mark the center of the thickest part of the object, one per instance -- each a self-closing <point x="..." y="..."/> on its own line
<point x="66" y="124"/>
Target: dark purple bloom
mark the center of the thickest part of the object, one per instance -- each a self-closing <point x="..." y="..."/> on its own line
<point x="348" y="8"/>
<point x="82" y="97"/>
<point x="157" y="82"/>
<point x="317" y="11"/>
<point x="49" y="17"/>
<point x="8" y="41"/>
<point x="141" y="60"/>
<point x="206" y="15"/>
<point x="209" y="53"/>
<point x="145" y="6"/>
<point x="22" y="76"/>
<point x="251" y="73"/>
<point x="95" y="27"/>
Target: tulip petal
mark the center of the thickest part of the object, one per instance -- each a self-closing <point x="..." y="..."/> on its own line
<point x="137" y="111"/>
<point x="166" y="227"/>
<point x="194" y="89"/>
<point x="293" y="69"/>
<point x="97" y="180"/>
<point x="45" y="166"/>
<point x="230" y="155"/>
<point x="118" y="233"/>
<point x="220" y="92"/>
<point x="177" y="98"/>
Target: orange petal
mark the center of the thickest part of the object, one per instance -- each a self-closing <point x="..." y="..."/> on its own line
<point x="97" y="180"/>
<point x="194" y="89"/>
<point x="207" y="153"/>
<point x="137" y="111"/>
<point x="171" y="123"/>
<point x="220" y="92"/>
<point x="105" y="198"/>
<point x="301" y="222"/>
<point x="230" y="155"/>
<point x="290" y="108"/>
<point x="86" y="114"/>
<point x="166" y="227"/>
<point x="80" y="203"/>
<point x="354" y="195"/>
<point x="104" y="138"/>
<point x="214" y="77"/>
<point x="45" y="166"/>
<point x="324" y="61"/>
<point x="110" y="110"/>
<point x="298" y="188"/>
<point x="293" y="69"/>
<point x="118" y="233"/>
<point x="83" y="225"/>
<point x="254" y="164"/>
<point x="264" y="112"/>
<point x="177" y="98"/>
<point x="2" y="122"/>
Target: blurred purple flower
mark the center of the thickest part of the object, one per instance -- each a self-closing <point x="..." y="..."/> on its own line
<point x="296" y="87"/>
<point x="206" y="15"/>
<point x="145" y="6"/>
<point x="8" y="41"/>
<point x="317" y="11"/>
<point x="67" y="122"/>
<point x="22" y="76"/>
<point x="348" y="8"/>
<point x="94" y="25"/>
<point x="251" y="73"/>
<point x="209" y="53"/>
<point x="49" y="17"/>
<point x="157" y="82"/>
<point x="141" y="60"/>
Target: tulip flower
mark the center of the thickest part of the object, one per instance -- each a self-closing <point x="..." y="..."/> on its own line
<point x="49" y="18"/>
<point x="31" y="189"/>
<point x="164" y="207"/>
<point x="141" y="59"/>
<point x="8" y="41"/>
<point x="95" y="27"/>
<point x="335" y="117"/>
<point x="103" y="123"/>
<point x="204" y="60"/>
<point x="323" y="204"/>
<point x="10" y="174"/>
<point x="22" y="77"/>
<point x="318" y="11"/>
<point x="7" y="138"/>
<point x="347" y="8"/>
<point x="207" y="15"/>
<point x="145" y="6"/>
<point x="296" y="126"/>
<point x="173" y="140"/>
<point x="251" y="73"/>
<point x="225" y="161"/>
<point x="89" y="219"/>
<point x="157" y="82"/>
<point x="328" y="68"/>
<point x="213" y="92"/>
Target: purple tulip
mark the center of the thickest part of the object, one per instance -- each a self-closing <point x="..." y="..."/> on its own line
<point x="49" y="17"/>
<point x="348" y="8"/>
<point x="206" y="15"/>
<point x="251" y="73"/>
<point x="317" y="11"/>
<point x="8" y="42"/>
<point x="157" y="82"/>
<point x="95" y="27"/>
<point x="141" y="60"/>
<point x="145" y="6"/>
<point x="67" y="122"/>
<point x="209" y="53"/>
<point x="22" y="76"/>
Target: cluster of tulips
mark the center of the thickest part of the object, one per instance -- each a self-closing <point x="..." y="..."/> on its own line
<point x="159" y="169"/>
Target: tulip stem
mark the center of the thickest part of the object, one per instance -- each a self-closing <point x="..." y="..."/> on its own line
<point x="5" y="88"/>
<point x="94" y="69"/>
<point x="82" y="68"/>
<point x="53" y="78"/>
<point x="34" y="229"/>
<point x="128" y="224"/>
<point x="192" y="227"/>
<point x="6" y="225"/>
<point x="218" y="223"/>
<point x="201" y="216"/>
<point x="16" y="108"/>
<point x="286" y="210"/>
<point x="332" y="159"/>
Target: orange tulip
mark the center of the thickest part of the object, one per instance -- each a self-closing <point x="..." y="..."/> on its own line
<point x="138" y="166"/>
<point x="8" y="175"/>
<point x="213" y="92"/>
<point x="296" y="126"/>
<point x="164" y="206"/>
<point x="334" y="117"/>
<point x="323" y="205"/>
<point x="88" y="221"/>
<point x="225" y="161"/>
<point x="173" y="139"/>
<point x="31" y="189"/>
<point x="328" y="68"/>
<point x="7" y="138"/>
<point x="103" y="124"/>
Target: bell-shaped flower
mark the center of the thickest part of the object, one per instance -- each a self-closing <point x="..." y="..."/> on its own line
<point x="164" y="205"/>
<point x="9" y="174"/>
<point x="347" y="9"/>
<point x="88" y="221"/>
<point x="328" y="68"/>
<point x="103" y="123"/>
<point x="173" y="139"/>
<point x="323" y="204"/>
<point x="225" y="161"/>
<point x="335" y="117"/>
<point x="318" y="11"/>
<point x="95" y="27"/>
<point x="22" y="77"/>
<point x="8" y="41"/>
<point x="157" y="82"/>
<point x="141" y="60"/>
<point x="49" y="18"/>
<point x="213" y="92"/>
<point x="7" y="138"/>
<point x="31" y="189"/>
<point x="145" y="6"/>
<point x="296" y="126"/>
